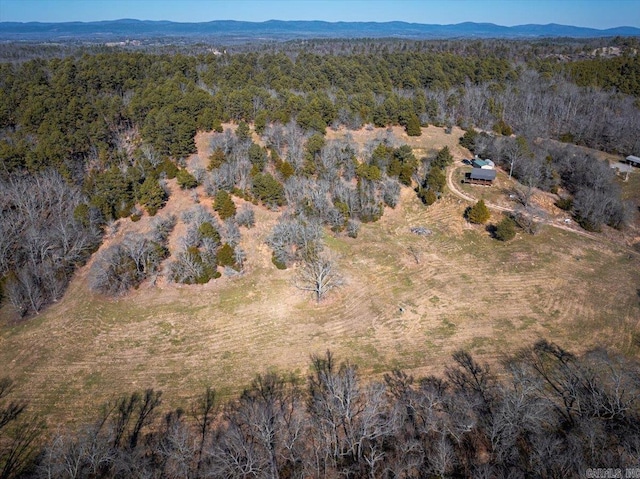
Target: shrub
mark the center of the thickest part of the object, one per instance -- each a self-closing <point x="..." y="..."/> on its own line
<point x="567" y="137"/>
<point x="427" y="196"/>
<point x="278" y="262"/>
<point x="565" y="204"/>
<point x="478" y="213"/>
<point x="353" y="227"/>
<point x="391" y="193"/>
<point x="506" y="229"/>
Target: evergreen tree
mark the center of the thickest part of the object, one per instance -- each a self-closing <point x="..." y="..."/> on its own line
<point x="468" y="140"/>
<point x="257" y="157"/>
<point x="261" y="122"/>
<point x="286" y="170"/>
<point x="226" y="255"/>
<point x="217" y="126"/>
<point x="186" y="180"/>
<point x="506" y="229"/>
<point x="243" y="133"/>
<point x="443" y="158"/>
<point x="224" y="205"/>
<point x="413" y="126"/>
<point x="436" y="179"/>
<point x="368" y="172"/>
<point x="427" y="196"/>
<point x="207" y="230"/>
<point x="151" y="195"/>
<point x="268" y="190"/>
<point x="216" y="159"/>
<point x="478" y="213"/>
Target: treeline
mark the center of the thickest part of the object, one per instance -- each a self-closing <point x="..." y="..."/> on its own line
<point x="545" y="413"/>
<point x="620" y="73"/>
<point x="76" y="112"/>
<point x="42" y="240"/>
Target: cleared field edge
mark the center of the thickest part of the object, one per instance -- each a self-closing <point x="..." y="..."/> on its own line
<point x="467" y="291"/>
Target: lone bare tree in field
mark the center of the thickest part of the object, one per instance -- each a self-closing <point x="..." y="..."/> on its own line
<point x="318" y="275"/>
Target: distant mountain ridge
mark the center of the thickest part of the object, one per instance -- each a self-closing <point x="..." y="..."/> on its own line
<point x="279" y="30"/>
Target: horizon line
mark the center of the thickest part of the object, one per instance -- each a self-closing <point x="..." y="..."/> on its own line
<point x="315" y="21"/>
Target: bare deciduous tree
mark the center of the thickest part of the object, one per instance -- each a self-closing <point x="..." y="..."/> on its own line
<point x="318" y="275"/>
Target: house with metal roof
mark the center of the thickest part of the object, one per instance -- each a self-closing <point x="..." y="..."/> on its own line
<point x="481" y="176"/>
<point x="633" y="160"/>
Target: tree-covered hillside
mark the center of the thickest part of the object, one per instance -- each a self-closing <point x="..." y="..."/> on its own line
<point x="114" y="126"/>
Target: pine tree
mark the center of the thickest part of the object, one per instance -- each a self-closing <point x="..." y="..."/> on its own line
<point x="506" y="229"/>
<point x="152" y="196"/>
<point x="478" y="213"/>
<point x="443" y="158"/>
<point x="186" y="180"/>
<point x="468" y="140"/>
<point x="413" y="126"/>
<point x="268" y="190"/>
<point x="226" y="255"/>
<point x="243" y="132"/>
<point x="224" y="205"/>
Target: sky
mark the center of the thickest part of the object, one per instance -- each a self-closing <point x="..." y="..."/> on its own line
<point x="599" y="14"/>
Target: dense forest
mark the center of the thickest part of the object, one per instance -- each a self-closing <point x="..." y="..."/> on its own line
<point x="546" y="413"/>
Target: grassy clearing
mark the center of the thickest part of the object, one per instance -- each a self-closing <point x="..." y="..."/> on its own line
<point x="466" y="291"/>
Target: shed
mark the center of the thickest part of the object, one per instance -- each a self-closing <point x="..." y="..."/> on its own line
<point x="478" y="163"/>
<point x="484" y="164"/>
<point x="482" y="176"/>
<point x="633" y="160"/>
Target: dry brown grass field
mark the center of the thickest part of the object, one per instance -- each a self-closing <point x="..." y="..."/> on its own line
<point x="467" y="291"/>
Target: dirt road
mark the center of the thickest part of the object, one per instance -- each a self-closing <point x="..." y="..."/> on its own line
<point x="460" y="194"/>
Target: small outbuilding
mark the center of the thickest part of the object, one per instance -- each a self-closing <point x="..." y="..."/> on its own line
<point x="484" y="164"/>
<point x="481" y="176"/>
<point x="476" y="163"/>
<point x="633" y="160"/>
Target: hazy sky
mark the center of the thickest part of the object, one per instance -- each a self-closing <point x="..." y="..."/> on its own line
<point x="585" y="13"/>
